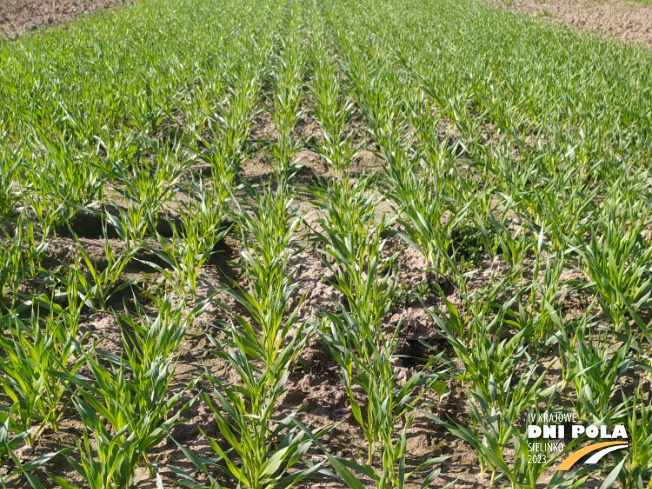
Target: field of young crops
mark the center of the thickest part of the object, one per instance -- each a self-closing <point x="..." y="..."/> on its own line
<point x="345" y="243"/>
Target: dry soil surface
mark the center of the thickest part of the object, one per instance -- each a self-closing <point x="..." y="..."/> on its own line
<point x="20" y="16"/>
<point x="627" y="21"/>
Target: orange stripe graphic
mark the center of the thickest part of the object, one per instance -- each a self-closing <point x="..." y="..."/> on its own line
<point x="575" y="456"/>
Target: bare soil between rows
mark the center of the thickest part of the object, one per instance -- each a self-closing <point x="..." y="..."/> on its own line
<point x="624" y="20"/>
<point x="20" y="16"/>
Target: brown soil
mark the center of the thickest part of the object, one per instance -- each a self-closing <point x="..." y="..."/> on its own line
<point x="20" y="16"/>
<point x="624" y="20"/>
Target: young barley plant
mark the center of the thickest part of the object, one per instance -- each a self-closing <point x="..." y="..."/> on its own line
<point x="154" y="338"/>
<point x="366" y="362"/>
<point x="617" y="259"/>
<point x="231" y="124"/>
<point x="97" y="284"/>
<point x="193" y="240"/>
<point x="288" y="87"/>
<point x="637" y="474"/>
<point x="594" y="368"/>
<point x="364" y="351"/>
<point x="36" y="352"/>
<point x="9" y="444"/>
<point x="145" y="187"/>
<point x="260" y="346"/>
<point x="20" y="255"/>
<point x="127" y="410"/>
<point x="9" y="164"/>
<point x="332" y="108"/>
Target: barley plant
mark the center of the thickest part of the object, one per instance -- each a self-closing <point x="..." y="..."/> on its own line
<point x="261" y="345"/>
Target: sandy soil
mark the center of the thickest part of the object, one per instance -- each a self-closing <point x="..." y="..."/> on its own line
<point x="20" y="16"/>
<point x="624" y="20"/>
